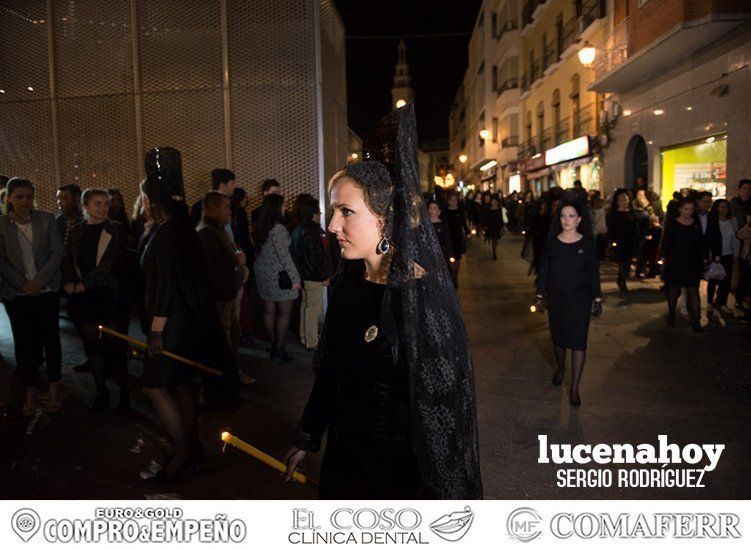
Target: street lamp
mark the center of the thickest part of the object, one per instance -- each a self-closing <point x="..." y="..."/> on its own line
<point x="400" y="103"/>
<point x="484" y="133"/>
<point x="587" y="54"/>
<point x="462" y="158"/>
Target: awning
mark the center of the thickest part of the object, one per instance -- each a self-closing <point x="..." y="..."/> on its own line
<point x="571" y="163"/>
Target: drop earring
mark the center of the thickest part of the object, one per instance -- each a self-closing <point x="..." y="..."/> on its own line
<point x="383" y="246"/>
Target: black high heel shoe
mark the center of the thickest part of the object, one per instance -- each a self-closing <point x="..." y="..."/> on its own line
<point x="101" y="402"/>
<point x="558" y="377"/>
<point x="575" y="402"/>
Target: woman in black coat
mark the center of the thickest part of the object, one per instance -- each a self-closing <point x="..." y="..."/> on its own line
<point x="459" y="233"/>
<point x="684" y="254"/>
<point x="95" y="278"/>
<point x="493" y="224"/>
<point x="569" y="278"/>
<point x="623" y="233"/>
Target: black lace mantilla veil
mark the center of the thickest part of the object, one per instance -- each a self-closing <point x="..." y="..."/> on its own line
<point x="421" y="315"/>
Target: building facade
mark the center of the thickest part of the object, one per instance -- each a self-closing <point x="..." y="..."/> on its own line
<point x="678" y="75"/>
<point x="255" y="86"/>
<point x="526" y="92"/>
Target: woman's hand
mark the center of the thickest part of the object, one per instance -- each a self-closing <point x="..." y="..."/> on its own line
<point x="156" y="344"/>
<point x="597" y="308"/>
<point x="78" y="288"/>
<point x="293" y="458"/>
<point x="69" y="288"/>
<point x="296" y="286"/>
<point x="32" y="288"/>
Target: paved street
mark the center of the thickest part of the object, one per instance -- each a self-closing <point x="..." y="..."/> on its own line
<point x="642" y="379"/>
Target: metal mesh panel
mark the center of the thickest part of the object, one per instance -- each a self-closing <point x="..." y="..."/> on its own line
<point x="97" y="147"/>
<point x="272" y="91"/>
<point x="190" y="121"/>
<point x="272" y="76"/>
<point x="92" y="48"/>
<point x="180" y="45"/>
<point x="23" y="50"/>
<point x="25" y="139"/>
<point x="334" y="90"/>
<point x="26" y="147"/>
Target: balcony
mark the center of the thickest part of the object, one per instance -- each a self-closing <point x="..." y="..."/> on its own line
<point x="508" y="84"/>
<point x="562" y="131"/>
<point x="506" y="27"/>
<point x="510" y="141"/>
<point x="584" y="121"/>
<point x="618" y="68"/>
<point x="546" y="139"/>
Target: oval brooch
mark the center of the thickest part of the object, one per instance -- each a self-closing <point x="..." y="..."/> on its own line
<point x="580" y="251"/>
<point x="371" y="333"/>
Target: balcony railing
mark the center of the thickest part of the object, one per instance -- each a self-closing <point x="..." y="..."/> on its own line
<point x="506" y="27"/>
<point x="508" y="84"/>
<point x="527" y="11"/>
<point x="524" y="84"/>
<point x="591" y="10"/>
<point x="549" y="55"/>
<point x="584" y="121"/>
<point x="615" y="51"/>
<point x="546" y="139"/>
<point x="510" y="141"/>
<point x="562" y="131"/>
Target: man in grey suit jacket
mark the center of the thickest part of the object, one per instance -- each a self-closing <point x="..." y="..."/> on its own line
<point x="31" y="251"/>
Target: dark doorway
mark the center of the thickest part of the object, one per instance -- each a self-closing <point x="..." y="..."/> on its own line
<point x="637" y="162"/>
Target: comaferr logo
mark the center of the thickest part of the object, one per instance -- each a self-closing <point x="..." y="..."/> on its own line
<point x="523" y="524"/>
<point x="453" y="526"/>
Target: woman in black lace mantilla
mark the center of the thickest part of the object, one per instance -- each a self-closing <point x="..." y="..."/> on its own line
<point x="394" y="389"/>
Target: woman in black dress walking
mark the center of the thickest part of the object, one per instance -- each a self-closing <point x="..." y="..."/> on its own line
<point x="684" y="254"/>
<point x="459" y="233"/>
<point x="569" y="277"/>
<point x="394" y="385"/>
<point x="623" y="232"/>
<point x="493" y="224"/>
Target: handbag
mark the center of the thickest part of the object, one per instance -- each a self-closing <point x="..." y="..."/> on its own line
<point x="715" y="272"/>
<point x="283" y="279"/>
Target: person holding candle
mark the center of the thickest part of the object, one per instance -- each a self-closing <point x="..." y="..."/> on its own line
<point x="569" y="278"/>
<point x="94" y="278"/>
<point x="182" y="315"/>
<point x="394" y="384"/>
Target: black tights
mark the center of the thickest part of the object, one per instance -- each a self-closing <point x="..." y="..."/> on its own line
<point x="107" y="354"/>
<point x="276" y="317"/>
<point x="577" y="367"/>
<point x="176" y="407"/>
<point x="692" y="302"/>
<point x="494" y="245"/>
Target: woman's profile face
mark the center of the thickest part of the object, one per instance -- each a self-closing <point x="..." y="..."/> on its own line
<point x="357" y="229"/>
<point x="569" y="218"/>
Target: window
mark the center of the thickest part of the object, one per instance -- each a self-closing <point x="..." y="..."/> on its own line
<point x="540" y="121"/>
<point x="495" y="129"/>
<point x="544" y="49"/>
<point x="528" y="128"/>
<point x="495" y="25"/>
<point x="495" y="78"/>
<point x="575" y="103"/>
<point x="559" y="35"/>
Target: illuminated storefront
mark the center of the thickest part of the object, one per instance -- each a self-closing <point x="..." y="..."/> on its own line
<point x="700" y="165"/>
<point x="560" y="166"/>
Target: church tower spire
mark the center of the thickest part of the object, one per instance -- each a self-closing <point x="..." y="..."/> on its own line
<point x="402" y="91"/>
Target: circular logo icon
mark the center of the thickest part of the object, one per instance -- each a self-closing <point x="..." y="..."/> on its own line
<point x="25" y="523"/>
<point x="523" y="524"/>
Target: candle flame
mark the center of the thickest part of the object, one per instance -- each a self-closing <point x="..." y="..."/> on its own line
<point x="226" y="436"/>
<point x="452" y="259"/>
<point x="533" y="309"/>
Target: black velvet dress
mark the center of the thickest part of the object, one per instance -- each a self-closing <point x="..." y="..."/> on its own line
<point x="177" y="287"/>
<point x="569" y="276"/>
<point x="362" y="397"/>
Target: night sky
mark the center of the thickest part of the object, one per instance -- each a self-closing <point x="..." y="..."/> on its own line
<point x="437" y="64"/>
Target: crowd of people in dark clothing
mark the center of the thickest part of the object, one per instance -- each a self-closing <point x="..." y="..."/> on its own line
<point x="108" y="267"/>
